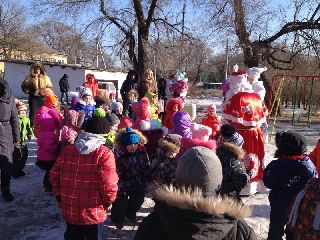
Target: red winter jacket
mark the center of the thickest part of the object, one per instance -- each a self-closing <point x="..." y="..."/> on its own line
<point x="212" y="122"/>
<point x="93" y="85"/>
<point x="315" y="156"/>
<point x="86" y="184"/>
<point x="168" y="117"/>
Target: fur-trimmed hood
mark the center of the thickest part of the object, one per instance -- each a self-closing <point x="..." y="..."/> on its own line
<point x="237" y="151"/>
<point x="193" y="200"/>
<point x="42" y="70"/>
<point x="117" y="142"/>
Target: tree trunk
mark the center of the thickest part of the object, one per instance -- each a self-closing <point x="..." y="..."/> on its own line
<point x="143" y="58"/>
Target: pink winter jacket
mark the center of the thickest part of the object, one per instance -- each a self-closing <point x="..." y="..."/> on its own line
<point x="47" y="127"/>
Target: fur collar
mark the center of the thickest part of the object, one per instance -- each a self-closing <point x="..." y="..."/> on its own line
<point x="238" y="151"/>
<point x="189" y="199"/>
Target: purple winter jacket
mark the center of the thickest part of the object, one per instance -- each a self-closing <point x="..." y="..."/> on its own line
<point x="182" y="123"/>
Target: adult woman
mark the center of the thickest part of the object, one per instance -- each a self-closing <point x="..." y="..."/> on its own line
<point x="35" y="85"/>
<point x="9" y="134"/>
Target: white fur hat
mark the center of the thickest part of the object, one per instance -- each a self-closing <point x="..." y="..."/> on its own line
<point x="255" y="72"/>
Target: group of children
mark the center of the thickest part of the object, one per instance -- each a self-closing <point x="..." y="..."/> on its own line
<point x="99" y="156"/>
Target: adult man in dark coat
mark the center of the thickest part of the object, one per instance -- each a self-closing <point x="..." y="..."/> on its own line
<point x="193" y="210"/>
<point x="130" y="83"/>
<point x="64" y="88"/>
<point x="9" y="135"/>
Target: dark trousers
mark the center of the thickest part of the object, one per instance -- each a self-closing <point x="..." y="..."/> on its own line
<point x="35" y="102"/>
<point x="5" y="181"/>
<point x="84" y="232"/>
<point x="20" y="156"/>
<point x="47" y="166"/>
<point x="64" y="96"/>
<point x="277" y="222"/>
<point x="127" y="204"/>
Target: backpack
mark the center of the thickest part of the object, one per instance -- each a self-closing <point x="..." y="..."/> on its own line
<point x="304" y="219"/>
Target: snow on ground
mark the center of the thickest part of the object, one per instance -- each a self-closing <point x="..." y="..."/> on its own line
<point x="34" y="214"/>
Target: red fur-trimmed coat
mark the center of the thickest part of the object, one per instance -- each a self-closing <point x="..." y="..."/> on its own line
<point x="212" y="122"/>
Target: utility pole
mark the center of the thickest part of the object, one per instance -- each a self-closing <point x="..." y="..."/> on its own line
<point x="227" y="59"/>
<point x="182" y="37"/>
<point x="97" y="55"/>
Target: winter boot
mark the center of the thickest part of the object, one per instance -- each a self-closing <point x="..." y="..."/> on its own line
<point x="6" y="194"/>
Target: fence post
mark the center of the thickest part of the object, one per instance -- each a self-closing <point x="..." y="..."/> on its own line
<point x="294" y="100"/>
<point x="310" y="101"/>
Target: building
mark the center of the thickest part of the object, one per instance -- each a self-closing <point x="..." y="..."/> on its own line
<point x="15" y="71"/>
<point x="44" y="56"/>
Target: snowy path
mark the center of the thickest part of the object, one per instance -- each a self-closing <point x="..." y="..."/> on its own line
<point x="34" y="214"/>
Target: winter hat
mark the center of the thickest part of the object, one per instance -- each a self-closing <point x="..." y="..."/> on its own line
<point x="97" y="125"/>
<point x="50" y="97"/>
<point x="21" y="106"/>
<point x="90" y="75"/>
<point x="255" y="72"/>
<point x="111" y="95"/>
<point x="291" y="143"/>
<point x="133" y="94"/>
<point x="125" y="122"/>
<point x="229" y="134"/>
<point x="129" y="137"/>
<point x="85" y="92"/>
<point x="116" y="106"/>
<point x="200" y="131"/>
<point x="170" y="143"/>
<point x="172" y="102"/>
<point x="200" y="167"/>
<point x="113" y="119"/>
<point x="150" y="96"/>
<point x="99" y="112"/>
<point x="211" y="107"/>
<point x="71" y="118"/>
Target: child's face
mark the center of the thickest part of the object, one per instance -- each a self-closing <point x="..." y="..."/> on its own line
<point x="119" y="111"/>
<point x="114" y="128"/>
<point x="132" y="97"/>
<point x="175" y="108"/>
<point x="22" y="113"/>
<point x="212" y="112"/>
<point x="132" y="148"/>
<point x="149" y="75"/>
<point x="87" y="99"/>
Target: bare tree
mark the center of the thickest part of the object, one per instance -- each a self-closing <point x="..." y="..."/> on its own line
<point x="12" y="28"/>
<point x="251" y="23"/>
<point x="132" y="18"/>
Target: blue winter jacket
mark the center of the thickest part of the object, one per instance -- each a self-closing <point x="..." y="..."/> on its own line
<point x="286" y="176"/>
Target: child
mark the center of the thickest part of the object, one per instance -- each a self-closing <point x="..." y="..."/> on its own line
<point x="148" y="83"/>
<point x="70" y="127"/>
<point x="182" y="123"/>
<point x="84" y="180"/>
<point x="132" y="97"/>
<point x="47" y="127"/>
<point x="133" y="168"/>
<point x="25" y="132"/>
<point x="173" y="106"/>
<point x="315" y="156"/>
<point x="113" y="97"/>
<point x="117" y="108"/>
<point x="211" y="120"/>
<point x="154" y="108"/>
<point x="86" y="104"/>
<point x="230" y="154"/>
<point x="114" y="122"/>
<point x="102" y="98"/>
<point x="286" y="176"/>
<point x="165" y="164"/>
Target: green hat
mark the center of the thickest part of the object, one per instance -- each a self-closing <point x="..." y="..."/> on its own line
<point x="99" y="112"/>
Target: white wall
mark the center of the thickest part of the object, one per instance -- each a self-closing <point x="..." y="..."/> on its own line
<point x="119" y="76"/>
<point x="15" y="73"/>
